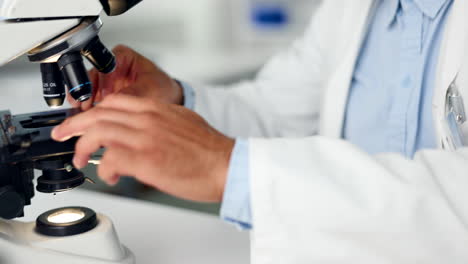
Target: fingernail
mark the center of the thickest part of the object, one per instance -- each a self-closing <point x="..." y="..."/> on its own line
<point x="114" y="180"/>
<point x="57" y="137"/>
<point x="54" y="133"/>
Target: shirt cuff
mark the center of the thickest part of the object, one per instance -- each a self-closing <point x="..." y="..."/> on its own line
<point x="236" y="208"/>
<point x="189" y="95"/>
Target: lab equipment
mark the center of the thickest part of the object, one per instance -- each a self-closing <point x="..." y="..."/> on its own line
<point x="63" y="235"/>
<point x="53" y="84"/>
<point x="56" y="34"/>
<point x="72" y="234"/>
<point x="456" y="117"/>
<point x="25" y="145"/>
<point x="67" y="221"/>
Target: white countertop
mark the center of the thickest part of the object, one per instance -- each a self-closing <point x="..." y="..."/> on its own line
<point x="157" y="234"/>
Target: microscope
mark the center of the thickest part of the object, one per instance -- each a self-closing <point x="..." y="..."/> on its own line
<point x="57" y="35"/>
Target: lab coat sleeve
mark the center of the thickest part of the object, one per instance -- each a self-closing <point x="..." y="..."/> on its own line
<point x="321" y="200"/>
<point x="283" y="100"/>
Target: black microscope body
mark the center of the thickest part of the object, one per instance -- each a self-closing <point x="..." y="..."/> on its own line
<point x="25" y="145"/>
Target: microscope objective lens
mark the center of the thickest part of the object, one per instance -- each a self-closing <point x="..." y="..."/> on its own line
<point x="53" y="84"/>
<point x="101" y="57"/>
<point x="75" y="75"/>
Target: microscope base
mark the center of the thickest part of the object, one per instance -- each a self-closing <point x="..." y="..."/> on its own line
<point x="20" y="243"/>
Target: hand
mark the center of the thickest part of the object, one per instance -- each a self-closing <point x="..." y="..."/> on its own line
<point x="134" y="75"/>
<point x="166" y="146"/>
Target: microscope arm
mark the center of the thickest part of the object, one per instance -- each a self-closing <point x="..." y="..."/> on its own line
<point x="26" y="24"/>
<point x="19" y="38"/>
<point x="34" y="9"/>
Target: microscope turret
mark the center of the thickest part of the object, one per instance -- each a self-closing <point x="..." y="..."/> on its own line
<point x="62" y="63"/>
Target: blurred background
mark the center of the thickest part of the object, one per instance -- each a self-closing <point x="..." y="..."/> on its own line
<point x="202" y="41"/>
<point x="215" y="41"/>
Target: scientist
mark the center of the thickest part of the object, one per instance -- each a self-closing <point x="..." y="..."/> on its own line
<point x="347" y="147"/>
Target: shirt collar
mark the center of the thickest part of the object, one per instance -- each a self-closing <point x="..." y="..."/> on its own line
<point x="430" y="8"/>
<point x="391" y="8"/>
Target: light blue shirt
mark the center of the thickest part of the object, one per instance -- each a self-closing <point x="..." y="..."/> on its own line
<point x="390" y="101"/>
<point x="389" y="104"/>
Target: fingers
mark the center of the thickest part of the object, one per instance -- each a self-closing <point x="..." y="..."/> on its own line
<point x="72" y="101"/>
<point x="122" y="51"/>
<point x="117" y="161"/>
<point x="105" y="84"/>
<point x="129" y="56"/>
<point x="106" y="134"/>
<point x="130" y="65"/>
<point x="77" y="125"/>
<point x="131" y="103"/>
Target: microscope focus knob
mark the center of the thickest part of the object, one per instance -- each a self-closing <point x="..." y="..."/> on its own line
<point x="11" y="203"/>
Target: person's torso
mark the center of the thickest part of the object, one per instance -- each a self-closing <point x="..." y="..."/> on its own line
<point x="390" y="100"/>
<point x="341" y="41"/>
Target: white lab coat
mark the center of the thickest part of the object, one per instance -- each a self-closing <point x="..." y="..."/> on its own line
<point x="319" y="199"/>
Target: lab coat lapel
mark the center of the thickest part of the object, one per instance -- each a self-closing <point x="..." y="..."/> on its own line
<point x="452" y="55"/>
<point x="336" y="94"/>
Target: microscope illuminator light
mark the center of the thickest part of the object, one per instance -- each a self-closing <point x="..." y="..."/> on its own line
<point x="66" y="221"/>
